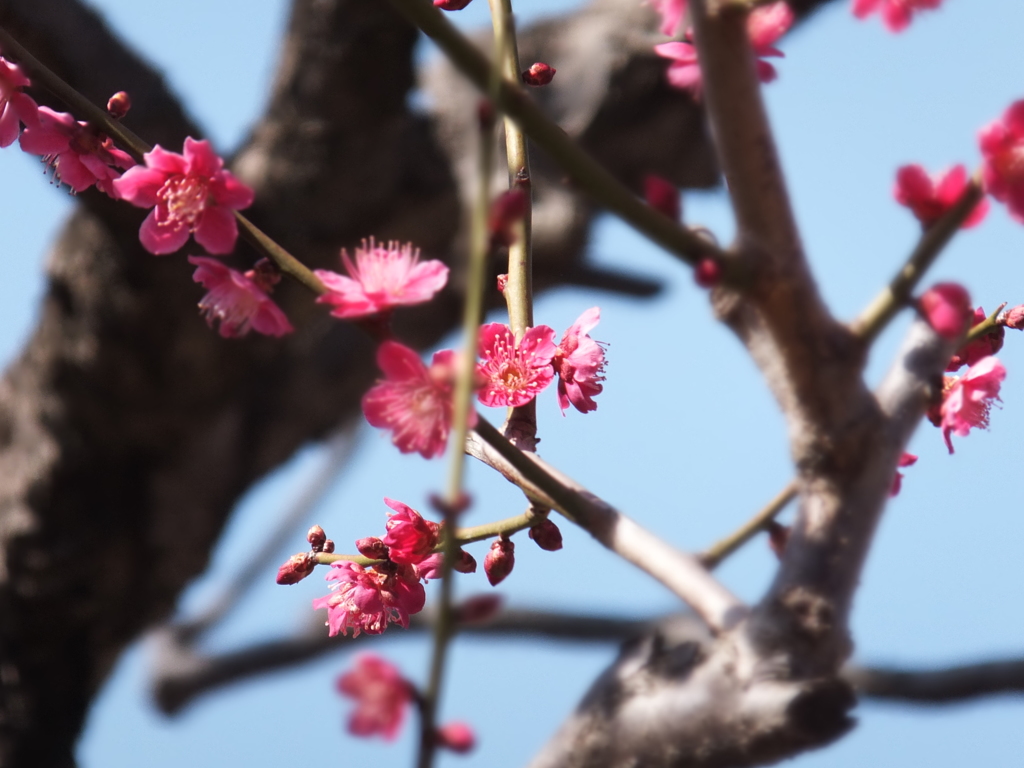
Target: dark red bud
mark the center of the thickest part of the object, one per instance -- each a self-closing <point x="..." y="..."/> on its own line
<point x="499" y="561"/>
<point x="1014" y="318"/>
<point x="778" y="535"/>
<point x="547" y="535"/>
<point x="446" y="508"/>
<point x="502" y="282"/>
<point x="485" y="114"/>
<point x="118" y="105"/>
<point x="507" y="209"/>
<point x="316" y="538"/>
<point x="662" y="196"/>
<point x="466" y="562"/>
<point x="457" y="737"/>
<point x="266" y="274"/>
<point x="539" y="74"/>
<point x="329" y="546"/>
<point x="707" y="273"/>
<point x="296" y="568"/>
<point x="479" y="608"/>
<point x="451" y="5"/>
<point x="373" y="548"/>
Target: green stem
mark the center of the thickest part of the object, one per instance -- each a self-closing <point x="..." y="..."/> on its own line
<point x="137" y="148"/>
<point x="578" y="165"/>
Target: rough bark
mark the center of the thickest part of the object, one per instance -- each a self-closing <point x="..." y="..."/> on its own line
<point x="128" y="429"/>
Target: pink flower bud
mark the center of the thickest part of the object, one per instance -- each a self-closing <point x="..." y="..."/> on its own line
<point x="947" y="308"/>
<point x="478" y="608"/>
<point x="662" y="196"/>
<point x="466" y="562"/>
<point x="373" y="548"/>
<point x="547" y="535"/>
<point x="316" y="538"/>
<point x="499" y="561"/>
<point x="707" y="273"/>
<point x="118" y="105"/>
<point x="266" y="274"/>
<point x="507" y="209"/>
<point x="458" y="737"/>
<point x="1014" y="318"/>
<point x="296" y="568"/>
<point x="906" y="460"/>
<point x="329" y="546"/>
<point x="502" y="282"/>
<point x="451" y="5"/>
<point x="778" y="537"/>
<point x="539" y="74"/>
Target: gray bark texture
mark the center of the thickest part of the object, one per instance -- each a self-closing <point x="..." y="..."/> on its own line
<point x="128" y="429"/>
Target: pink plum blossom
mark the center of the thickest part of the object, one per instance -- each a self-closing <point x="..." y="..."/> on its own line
<point x="381" y="278"/>
<point x="15" y="107"/>
<point x="413" y="401"/>
<point x="671" y="12"/>
<point x="80" y="155"/>
<point x="947" y="308"/>
<point x="967" y="402"/>
<point x="366" y="600"/>
<point x="381" y="695"/>
<point x="896" y="14"/>
<point x="410" y="537"/>
<point x="983" y="346"/>
<point x="579" y="362"/>
<point x="765" y="25"/>
<point x="190" y="194"/>
<point x="514" y="374"/>
<point x="929" y="197"/>
<point x="239" y="302"/>
<point x="1002" y="146"/>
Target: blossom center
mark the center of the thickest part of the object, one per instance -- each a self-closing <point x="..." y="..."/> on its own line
<point x="184" y="198"/>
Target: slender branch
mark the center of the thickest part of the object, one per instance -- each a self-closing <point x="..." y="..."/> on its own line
<point x="935" y="238"/>
<point x="680" y="572"/>
<point x="574" y="160"/>
<point x="716" y="553"/>
<point x="136" y="147"/>
<point x="942" y="685"/>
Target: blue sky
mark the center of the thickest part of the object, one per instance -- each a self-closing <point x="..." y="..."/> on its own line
<point x="705" y="443"/>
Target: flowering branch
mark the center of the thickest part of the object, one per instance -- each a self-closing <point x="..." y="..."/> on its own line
<point x="682" y="573"/>
<point x="574" y="160"/>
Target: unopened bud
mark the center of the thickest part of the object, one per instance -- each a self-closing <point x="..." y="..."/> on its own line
<point x="316" y="538"/>
<point x="707" y="273"/>
<point x="499" y="561"/>
<point x="539" y="74"/>
<point x="1014" y="318"/>
<point x="478" y="608"/>
<point x="296" y="568"/>
<point x="373" y="548"/>
<point x="447" y="508"/>
<point x="466" y="562"/>
<point x="778" y="536"/>
<point x="266" y="274"/>
<point x="662" y="196"/>
<point x="502" y="282"/>
<point x="458" y="737"/>
<point x="451" y="5"/>
<point x="547" y="535"/>
<point x="485" y="114"/>
<point x="329" y="546"/>
<point x="947" y="308"/>
<point x="507" y="209"/>
<point x="118" y="105"/>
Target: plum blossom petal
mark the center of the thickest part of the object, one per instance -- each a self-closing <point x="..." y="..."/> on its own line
<point x="671" y="12"/>
<point x="366" y="600"/>
<point x="1002" y="147"/>
<point x="381" y="277"/>
<point x="15" y="107"/>
<point x="906" y="460"/>
<point x="381" y="695"/>
<point x="413" y="401"/>
<point x="896" y="14"/>
<point x="514" y="374"/>
<point x="190" y="194"/>
<point x="968" y="400"/>
<point x="237" y="301"/>
<point x="579" y="362"/>
<point x="947" y="308"/>
<point x="930" y="197"/>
